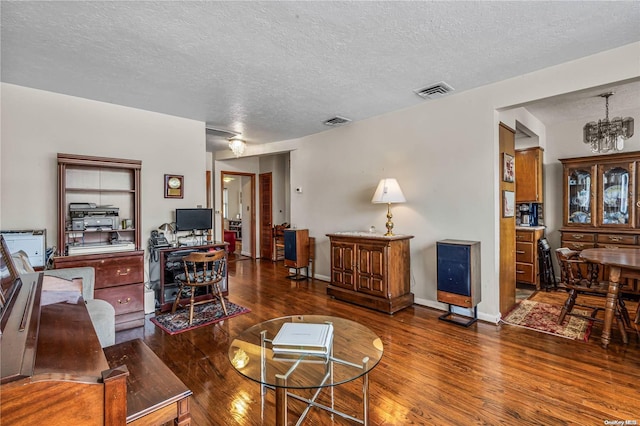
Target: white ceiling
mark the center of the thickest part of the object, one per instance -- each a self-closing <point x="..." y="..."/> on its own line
<point x="276" y="70"/>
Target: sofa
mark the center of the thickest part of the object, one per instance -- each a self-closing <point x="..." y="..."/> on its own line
<point x="103" y="315"/>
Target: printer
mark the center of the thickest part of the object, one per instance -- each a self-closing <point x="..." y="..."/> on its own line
<point x="89" y="216"/>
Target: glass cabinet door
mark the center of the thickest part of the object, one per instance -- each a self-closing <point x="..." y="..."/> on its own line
<point x="579" y="202"/>
<point x="616" y="187"/>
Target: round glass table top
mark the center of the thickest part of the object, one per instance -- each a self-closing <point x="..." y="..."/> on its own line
<point x="354" y="352"/>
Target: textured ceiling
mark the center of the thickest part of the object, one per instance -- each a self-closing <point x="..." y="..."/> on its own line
<point x="276" y="70"/>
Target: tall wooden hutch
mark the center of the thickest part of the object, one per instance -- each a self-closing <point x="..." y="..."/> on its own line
<point x="601" y="202"/>
<point x="114" y="250"/>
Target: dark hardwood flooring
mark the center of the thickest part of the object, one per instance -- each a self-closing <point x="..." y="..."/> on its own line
<point x="432" y="372"/>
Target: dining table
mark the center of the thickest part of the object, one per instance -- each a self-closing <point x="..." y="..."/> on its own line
<point x="622" y="263"/>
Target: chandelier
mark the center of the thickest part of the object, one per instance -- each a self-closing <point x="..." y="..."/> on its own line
<point x="608" y="135"/>
<point x="237" y="146"/>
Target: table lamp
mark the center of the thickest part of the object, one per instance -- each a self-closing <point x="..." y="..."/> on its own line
<point x="388" y="192"/>
<point x="169" y="227"/>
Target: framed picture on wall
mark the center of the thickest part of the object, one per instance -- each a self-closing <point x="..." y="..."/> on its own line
<point x="508" y="203"/>
<point x="508" y="168"/>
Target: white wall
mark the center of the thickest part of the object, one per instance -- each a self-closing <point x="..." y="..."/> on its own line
<point x="444" y="154"/>
<point x="36" y="125"/>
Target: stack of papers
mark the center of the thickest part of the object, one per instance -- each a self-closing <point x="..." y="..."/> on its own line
<point x="303" y="338"/>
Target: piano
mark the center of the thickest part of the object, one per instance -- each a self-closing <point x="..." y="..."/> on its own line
<point x="54" y="371"/>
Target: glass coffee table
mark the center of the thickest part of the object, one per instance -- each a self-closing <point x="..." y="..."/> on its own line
<point x="354" y="352"/>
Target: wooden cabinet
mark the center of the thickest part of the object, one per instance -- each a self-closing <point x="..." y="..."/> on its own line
<point x="119" y="279"/>
<point x="296" y="248"/>
<point x="371" y="270"/>
<point x="600" y="201"/>
<point x="529" y="175"/>
<point x="527" y="263"/>
<point x="106" y="233"/>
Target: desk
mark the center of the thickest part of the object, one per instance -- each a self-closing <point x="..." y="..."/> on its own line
<point x="356" y="350"/>
<point x="622" y="262"/>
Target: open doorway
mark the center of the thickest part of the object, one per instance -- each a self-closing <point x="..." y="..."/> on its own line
<point x="239" y="213"/>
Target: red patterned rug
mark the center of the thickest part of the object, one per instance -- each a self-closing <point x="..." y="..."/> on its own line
<point x="543" y="317"/>
<point x="205" y="314"/>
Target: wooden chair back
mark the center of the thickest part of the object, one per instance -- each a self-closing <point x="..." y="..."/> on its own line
<point x="204" y="268"/>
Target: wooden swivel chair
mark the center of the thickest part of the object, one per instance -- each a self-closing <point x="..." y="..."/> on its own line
<point x="202" y="269"/>
<point x="580" y="277"/>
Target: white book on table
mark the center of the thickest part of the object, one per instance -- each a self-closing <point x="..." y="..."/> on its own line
<point x="302" y="337"/>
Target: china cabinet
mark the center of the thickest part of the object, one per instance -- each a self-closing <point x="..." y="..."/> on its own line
<point x="529" y="175"/>
<point x="600" y="201"/>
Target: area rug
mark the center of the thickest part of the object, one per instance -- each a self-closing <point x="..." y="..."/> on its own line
<point x="203" y="315"/>
<point x="543" y="317"/>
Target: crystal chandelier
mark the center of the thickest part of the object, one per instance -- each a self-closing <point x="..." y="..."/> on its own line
<point x="237" y="146"/>
<point x="608" y="135"/>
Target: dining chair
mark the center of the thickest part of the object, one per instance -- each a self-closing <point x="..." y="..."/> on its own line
<point x="580" y="277"/>
<point x="278" y="241"/>
<point x="202" y="269"/>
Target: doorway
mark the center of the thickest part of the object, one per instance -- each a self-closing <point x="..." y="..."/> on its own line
<point x="239" y="212"/>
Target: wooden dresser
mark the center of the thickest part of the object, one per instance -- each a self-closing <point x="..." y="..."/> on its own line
<point x="119" y="281"/>
<point x="527" y="264"/>
<point x="371" y="270"/>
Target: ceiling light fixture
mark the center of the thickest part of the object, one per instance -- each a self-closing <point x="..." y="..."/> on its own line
<point x="608" y="135"/>
<point x="237" y="146"/>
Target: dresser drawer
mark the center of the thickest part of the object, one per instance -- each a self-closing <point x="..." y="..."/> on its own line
<point x="525" y="272"/>
<point x="617" y="239"/>
<point x="578" y="236"/>
<point x="524" y="252"/>
<point x="112" y="269"/>
<point x="578" y="246"/>
<point x="524" y="236"/>
<point x="125" y="299"/>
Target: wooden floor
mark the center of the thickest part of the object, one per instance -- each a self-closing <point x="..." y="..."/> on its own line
<point x="432" y="372"/>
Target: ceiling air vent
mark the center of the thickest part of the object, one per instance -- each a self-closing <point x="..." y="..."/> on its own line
<point x="434" y="91"/>
<point x="227" y="134"/>
<point x="336" y="121"/>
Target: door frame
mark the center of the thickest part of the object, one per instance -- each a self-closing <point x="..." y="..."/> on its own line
<point x="252" y="207"/>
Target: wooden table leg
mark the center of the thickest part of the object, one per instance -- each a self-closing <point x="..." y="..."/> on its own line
<point x="281" y="400"/>
<point x="610" y="306"/>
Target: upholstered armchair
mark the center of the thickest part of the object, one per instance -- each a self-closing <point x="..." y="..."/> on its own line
<point x="101" y="312"/>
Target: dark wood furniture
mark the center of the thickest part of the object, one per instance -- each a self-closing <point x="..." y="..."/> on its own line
<point x="527" y="262"/>
<point x="55" y="372"/>
<point x="119" y="273"/>
<point x="600" y="201"/>
<point x="119" y="281"/>
<point x="171" y="265"/>
<point x="529" y="175"/>
<point x="155" y="395"/>
<point x="621" y="263"/>
<point x="202" y="270"/>
<point x="371" y="270"/>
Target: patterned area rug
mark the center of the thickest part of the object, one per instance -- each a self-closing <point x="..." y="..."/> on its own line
<point x="544" y="317"/>
<point x="205" y="314"/>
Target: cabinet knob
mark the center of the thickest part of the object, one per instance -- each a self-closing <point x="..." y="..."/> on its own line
<point x="127" y="300"/>
<point x="638" y="204"/>
<point x="612" y="238"/>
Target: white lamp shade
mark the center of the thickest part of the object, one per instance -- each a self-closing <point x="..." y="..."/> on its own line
<point x="388" y="191"/>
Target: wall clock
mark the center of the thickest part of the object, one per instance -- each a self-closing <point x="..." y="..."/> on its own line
<point x="173" y="186"/>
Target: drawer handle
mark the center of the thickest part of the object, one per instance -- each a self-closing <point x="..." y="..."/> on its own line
<point x="127" y="300"/>
<point x="578" y="245"/>
<point x="612" y="238"/>
<point x="519" y="272"/>
<point x="520" y="252"/>
<point x="119" y="272"/>
<point x="578" y="236"/>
